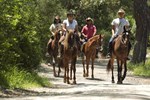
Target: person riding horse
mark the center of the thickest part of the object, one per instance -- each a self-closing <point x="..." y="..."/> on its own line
<point x="118" y="28"/>
<point x="88" y="31"/>
<point x="55" y="26"/>
<point x="69" y="24"/>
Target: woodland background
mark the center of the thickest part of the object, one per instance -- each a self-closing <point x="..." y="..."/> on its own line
<point x="24" y="28"/>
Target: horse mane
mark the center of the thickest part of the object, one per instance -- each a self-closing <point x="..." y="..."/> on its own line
<point x="69" y="33"/>
<point x="57" y="33"/>
<point x="93" y="40"/>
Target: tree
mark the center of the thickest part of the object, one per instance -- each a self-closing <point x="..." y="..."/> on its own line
<point x="142" y="18"/>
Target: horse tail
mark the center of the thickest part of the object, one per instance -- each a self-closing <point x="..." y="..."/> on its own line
<point x="109" y="65"/>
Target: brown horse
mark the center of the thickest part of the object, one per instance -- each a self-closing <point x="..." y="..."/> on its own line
<point x="89" y="50"/>
<point x="120" y="52"/>
<point x="53" y="51"/>
<point x="70" y="52"/>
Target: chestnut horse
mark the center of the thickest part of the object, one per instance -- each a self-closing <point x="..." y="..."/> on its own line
<point x="53" y="51"/>
<point x="89" y="50"/>
<point x="70" y="52"/>
<point x="120" y="52"/>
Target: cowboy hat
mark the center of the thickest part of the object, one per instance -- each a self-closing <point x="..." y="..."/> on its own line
<point x="89" y="18"/>
<point x="71" y="12"/>
<point x="121" y="11"/>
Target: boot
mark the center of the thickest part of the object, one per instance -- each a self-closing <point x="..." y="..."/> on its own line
<point x="109" y="50"/>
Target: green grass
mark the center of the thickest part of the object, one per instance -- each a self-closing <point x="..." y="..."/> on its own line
<point x="140" y="69"/>
<point x="19" y="78"/>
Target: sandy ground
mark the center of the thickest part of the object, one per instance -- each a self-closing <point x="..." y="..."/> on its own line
<point x="99" y="88"/>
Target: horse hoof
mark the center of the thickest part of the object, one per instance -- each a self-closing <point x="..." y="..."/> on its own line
<point x="83" y="75"/>
<point x="64" y="81"/>
<point x="55" y="75"/>
<point x="86" y="75"/>
<point x="113" y="81"/>
<point x="74" y="82"/>
<point x="68" y="82"/>
<point x="119" y="82"/>
<point x="92" y="76"/>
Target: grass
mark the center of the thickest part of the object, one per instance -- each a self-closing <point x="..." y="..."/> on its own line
<point x="140" y="69"/>
<point x="19" y="78"/>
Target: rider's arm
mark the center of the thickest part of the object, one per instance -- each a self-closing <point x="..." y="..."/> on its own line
<point x="76" y="28"/>
<point x="94" y="31"/>
<point x="83" y="32"/>
<point x="64" y="27"/>
<point x="113" y="30"/>
<point x="52" y="29"/>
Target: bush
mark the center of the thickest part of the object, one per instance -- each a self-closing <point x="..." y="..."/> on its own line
<point x="140" y="69"/>
<point x="13" y="77"/>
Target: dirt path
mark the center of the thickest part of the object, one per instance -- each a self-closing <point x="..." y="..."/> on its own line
<point x="101" y="88"/>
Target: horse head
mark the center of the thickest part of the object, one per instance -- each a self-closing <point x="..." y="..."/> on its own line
<point x="70" y="40"/>
<point x="58" y="34"/>
<point x="125" y="35"/>
<point x="100" y="39"/>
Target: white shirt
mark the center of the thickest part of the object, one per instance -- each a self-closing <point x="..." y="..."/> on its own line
<point x="119" y="23"/>
<point x="54" y="27"/>
<point x="70" y="25"/>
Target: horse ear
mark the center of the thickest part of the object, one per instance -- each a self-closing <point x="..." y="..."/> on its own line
<point x="101" y="35"/>
<point x="124" y="28"/>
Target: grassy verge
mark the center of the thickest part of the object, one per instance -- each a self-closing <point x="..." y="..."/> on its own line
<point x="140" y="69"/>
<point x="19" y="78"/>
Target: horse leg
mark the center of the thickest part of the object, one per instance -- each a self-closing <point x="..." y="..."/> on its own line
<point x="119" y="72"/>
<point x="92" y="68"/>
<point x="87" y="66"/>
<point x="71" y="67"/>
<point x="54" y="71"/>
<point x="67" y="69"/>
<point x="74" y="70"/>
<point x="60" y="63"/>
<point x="112" y="69"/>
<point x="125" y="70"/>
<point x="83" y="62"/>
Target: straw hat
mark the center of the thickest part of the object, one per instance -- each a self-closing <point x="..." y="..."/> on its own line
<point x="57" y="17"/>
<point x="70" y="12"/>
<point x="121" y="11"/>
<point x="89" y="18"/>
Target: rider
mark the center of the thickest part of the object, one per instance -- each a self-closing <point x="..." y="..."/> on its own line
<point x="69" y="23"/>
<point x="56" y="25"/>
<point x="89" y="30"/>
<point x="117" y="28"/>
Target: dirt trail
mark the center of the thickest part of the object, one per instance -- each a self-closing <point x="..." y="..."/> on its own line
<point x="100" y="88"/>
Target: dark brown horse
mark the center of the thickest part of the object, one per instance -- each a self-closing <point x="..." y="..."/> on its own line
<point x="53" y="51"/>
<point x="89" y="50"/>
<point x="70" y="52"/>
<point x="120" y="52"/>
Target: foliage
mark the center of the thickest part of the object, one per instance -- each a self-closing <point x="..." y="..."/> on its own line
<point x="107" y="36"/>
<point x="19" y="39"/>
<point x="140" y="69"/>
<point x="24" y="28"/>
<point x="14" y="77"/>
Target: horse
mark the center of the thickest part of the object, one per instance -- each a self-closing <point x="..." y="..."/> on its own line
<point x="53" y="51"/>
<point x="70" y="52"/>
<point x="89" y="51"/>
<point x="120" y="52"/>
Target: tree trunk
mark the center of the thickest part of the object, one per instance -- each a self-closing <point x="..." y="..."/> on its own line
<point x="142" y="18"/>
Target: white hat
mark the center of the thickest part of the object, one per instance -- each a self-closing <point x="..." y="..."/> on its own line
<point x="121" y="11"/>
